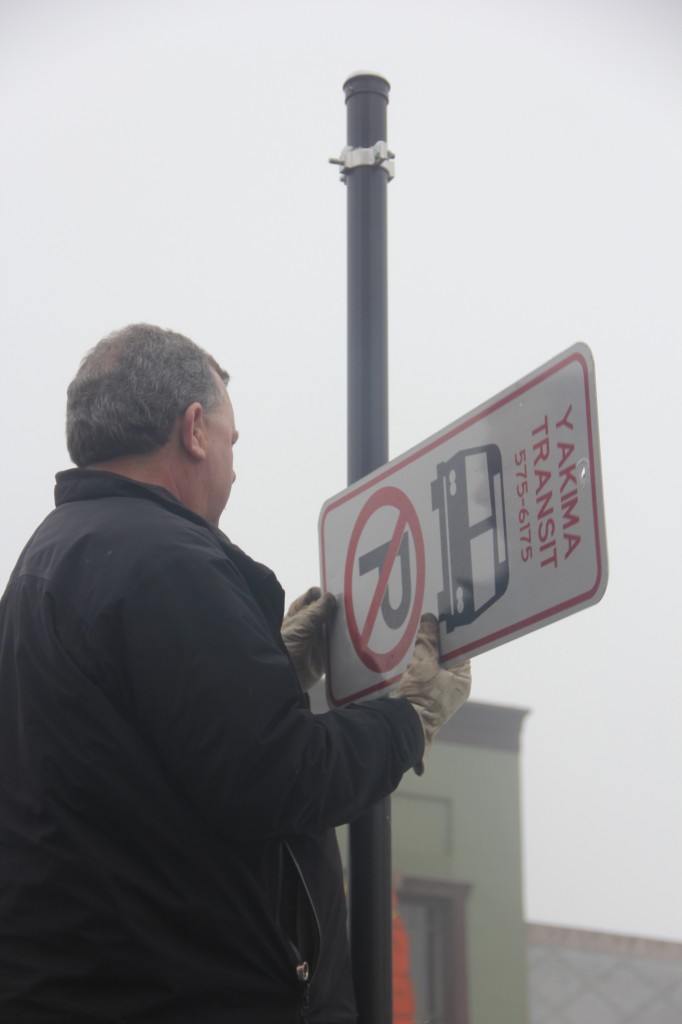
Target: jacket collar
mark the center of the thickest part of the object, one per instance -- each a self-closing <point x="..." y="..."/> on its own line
<point x="91" y="484"/>
<point x="86" y="484"/>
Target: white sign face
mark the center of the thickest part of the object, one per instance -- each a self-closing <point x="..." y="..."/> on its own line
<point x="494" y="524"/>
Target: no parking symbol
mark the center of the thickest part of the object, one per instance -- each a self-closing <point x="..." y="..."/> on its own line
<point x="384" y="579"/>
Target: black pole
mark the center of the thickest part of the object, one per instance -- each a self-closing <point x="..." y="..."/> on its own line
<point x="367" y="177"/>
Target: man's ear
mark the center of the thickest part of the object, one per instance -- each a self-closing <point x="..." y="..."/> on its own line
<point x="192" y="433"/>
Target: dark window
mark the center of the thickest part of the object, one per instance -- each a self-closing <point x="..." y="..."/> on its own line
<point x="434" y="914"/>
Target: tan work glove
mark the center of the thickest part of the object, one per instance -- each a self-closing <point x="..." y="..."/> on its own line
<point x="434" y="692"/>
<point x="303" y="634"/>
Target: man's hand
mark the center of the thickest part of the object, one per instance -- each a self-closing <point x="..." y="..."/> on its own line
<point x="434" y="692"/>
<point x="303" y="634"/>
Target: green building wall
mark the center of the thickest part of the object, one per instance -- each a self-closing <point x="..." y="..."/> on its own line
<point x="460" y="824"/>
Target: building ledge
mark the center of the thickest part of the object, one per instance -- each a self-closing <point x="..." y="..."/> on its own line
<point x="491" y="726"/>
<point x="602" y="942"/>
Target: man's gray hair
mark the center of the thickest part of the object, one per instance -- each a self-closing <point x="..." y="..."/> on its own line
<point x="131" y="388"/>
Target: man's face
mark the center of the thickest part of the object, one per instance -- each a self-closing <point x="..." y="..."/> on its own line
<point x="221" y="437"/>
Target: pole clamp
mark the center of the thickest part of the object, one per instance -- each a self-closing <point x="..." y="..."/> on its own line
<point x="378" y="155"/>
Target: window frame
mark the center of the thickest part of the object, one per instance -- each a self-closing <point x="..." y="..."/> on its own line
<point x="451" y="898"/>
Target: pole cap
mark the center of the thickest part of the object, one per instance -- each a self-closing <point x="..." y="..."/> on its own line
<point x="366" y="81"/>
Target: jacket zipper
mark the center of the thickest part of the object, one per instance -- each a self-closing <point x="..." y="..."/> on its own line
<point x="305" y="967"/>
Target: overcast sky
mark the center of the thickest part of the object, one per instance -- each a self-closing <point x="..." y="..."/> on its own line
<point x="166" y="160"/>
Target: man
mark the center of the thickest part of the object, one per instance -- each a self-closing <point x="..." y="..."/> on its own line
<point x="167" y="798"/>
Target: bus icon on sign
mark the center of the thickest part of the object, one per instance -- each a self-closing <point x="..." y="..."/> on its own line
<point x="467" y="494"/>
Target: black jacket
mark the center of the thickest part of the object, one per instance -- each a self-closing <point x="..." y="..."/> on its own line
<point x="166" y="796"/>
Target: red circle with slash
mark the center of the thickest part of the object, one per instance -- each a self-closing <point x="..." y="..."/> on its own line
<point x="379" y="661"/>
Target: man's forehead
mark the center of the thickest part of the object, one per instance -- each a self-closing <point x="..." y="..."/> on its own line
<point x="217" y="369"/>
<point x="222" y="382"/>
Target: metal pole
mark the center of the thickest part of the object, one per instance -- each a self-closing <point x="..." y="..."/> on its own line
<point x="367" y="172"/>
<point x="366" y="103"/>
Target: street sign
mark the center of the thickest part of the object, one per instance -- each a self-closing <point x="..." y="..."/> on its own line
<point x="495" y="524"/>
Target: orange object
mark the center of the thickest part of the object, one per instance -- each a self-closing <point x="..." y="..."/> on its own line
<point x="403" y="992"/>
